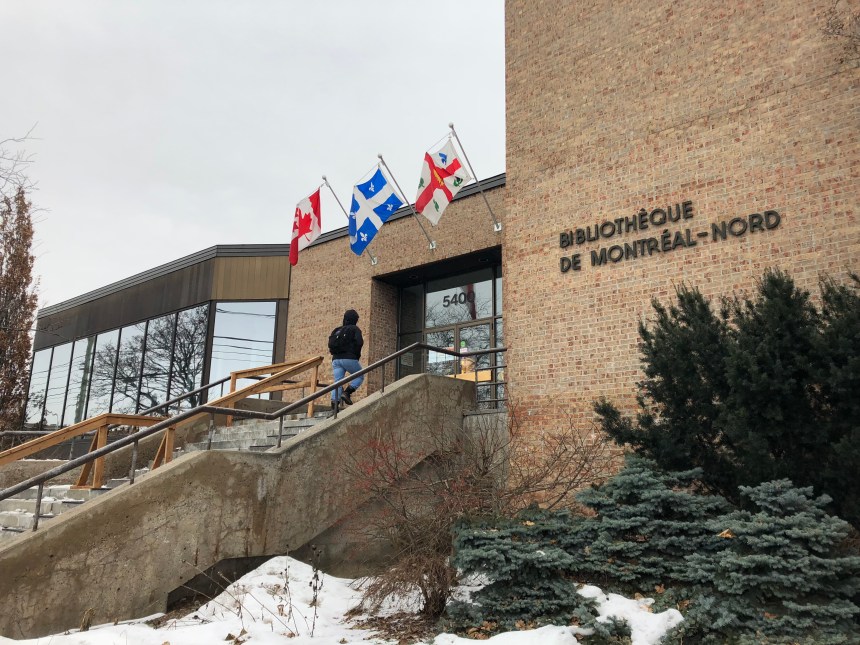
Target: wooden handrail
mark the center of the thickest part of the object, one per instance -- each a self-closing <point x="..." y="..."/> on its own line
<point x="69" y="432"/>
<point x="280" y="372"/>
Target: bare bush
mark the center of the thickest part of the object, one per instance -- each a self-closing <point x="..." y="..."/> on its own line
<point x="494" y="467"/>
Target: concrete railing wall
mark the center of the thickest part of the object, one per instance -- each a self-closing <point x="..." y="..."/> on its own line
<point x="123" y="553"/>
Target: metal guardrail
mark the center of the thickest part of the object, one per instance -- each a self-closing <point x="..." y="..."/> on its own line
<point x="134" y="439"/>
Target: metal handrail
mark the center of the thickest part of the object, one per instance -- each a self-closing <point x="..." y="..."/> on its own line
<point x="39" y="480"/>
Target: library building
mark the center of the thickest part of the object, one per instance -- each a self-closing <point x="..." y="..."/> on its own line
<point x="648" y="146"/>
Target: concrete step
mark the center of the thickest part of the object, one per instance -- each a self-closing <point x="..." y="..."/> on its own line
<point x="9" y="533"/>
<point x="16" y="513"/>
<point x="255" y="434"/>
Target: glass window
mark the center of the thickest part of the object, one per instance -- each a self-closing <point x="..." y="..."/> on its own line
<point x="462" y="298"/>
<point x="438" y="363"/>
<point x="472" y="339"/>
<point x="244" y="337"/>
<point x="410" y="363"/>
<point x="499" y="296"/>
<point x="59" y="377"/>
<point x="38" y="385"/>
<point x="79" y="381"/>
<point x="104" y="363"/>
<point x="156" y="362"/>
<point x="188" y="353"/>
<point x="127" y="381"/>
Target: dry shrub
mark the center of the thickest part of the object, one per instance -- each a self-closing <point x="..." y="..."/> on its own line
<point x="422" y="486"/>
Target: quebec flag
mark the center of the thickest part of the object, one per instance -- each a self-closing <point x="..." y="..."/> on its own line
<point x="373" y="202"/>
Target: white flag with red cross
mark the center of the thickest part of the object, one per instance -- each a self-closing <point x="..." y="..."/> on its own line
<point x="442" y="177"/>
<point x="307" y="225"/>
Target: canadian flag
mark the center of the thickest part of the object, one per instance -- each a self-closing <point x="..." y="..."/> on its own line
<point x="442" y="176"/>
<point x="307" y="225"/>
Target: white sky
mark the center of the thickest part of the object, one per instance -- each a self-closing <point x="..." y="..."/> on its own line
<point x="165" y="127"/>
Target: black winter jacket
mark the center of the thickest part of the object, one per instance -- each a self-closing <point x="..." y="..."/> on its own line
<point x="350" y="318"/>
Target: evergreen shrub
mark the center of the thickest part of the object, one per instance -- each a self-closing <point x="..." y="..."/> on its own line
<point x="529" y="577"/>
<point x="763" y="387"/>
<point x="782" y="578"/>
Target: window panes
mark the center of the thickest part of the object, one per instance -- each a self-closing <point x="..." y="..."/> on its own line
<point x="438" y="363"/>
<point x="38" y="385"/>
<point x="410" y="363"/>
<point x="57" y="380"/>
<point x="188" y="353"/>
<point x="459" y="299"/>
<point x="499" y="296"/>
<point x="104" y="363"/>
<point x="127" y="380"/>
<point x="156" y="362"/>
<point x="244" y="337"/>
<point x="472" y="339"/>
<point x="79" y="380"/>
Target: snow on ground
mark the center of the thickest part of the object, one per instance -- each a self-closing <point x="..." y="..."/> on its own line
<point x="273" y="604"/>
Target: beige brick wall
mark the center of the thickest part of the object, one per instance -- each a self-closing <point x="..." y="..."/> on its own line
<point x="329" y="278"/>
<point x="613" y="106"/>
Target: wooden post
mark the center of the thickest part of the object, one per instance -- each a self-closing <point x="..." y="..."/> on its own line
<point x="164" y="454"/>
<point x="84" y="477"/>
<point x="314" y="383"/>
<point x="229" y="421"/>
<point x="99" y="465"/>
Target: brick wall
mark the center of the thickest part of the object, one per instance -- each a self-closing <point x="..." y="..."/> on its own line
<point x="615" y="106"/>
<point x="330" y="279"/>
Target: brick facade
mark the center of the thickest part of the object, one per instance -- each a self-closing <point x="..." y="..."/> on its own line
<point x="329" y="278"/>
<point x="613" y="107"/>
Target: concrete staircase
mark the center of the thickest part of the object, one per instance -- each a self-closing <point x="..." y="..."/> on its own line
<point x="254" y="434"/>
<point x="16" y="514"/>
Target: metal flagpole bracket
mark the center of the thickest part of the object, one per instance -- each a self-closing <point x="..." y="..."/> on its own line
<point x="497" y="225"/>
<point x="373" y="259"/>
<point x="406" y="201"/>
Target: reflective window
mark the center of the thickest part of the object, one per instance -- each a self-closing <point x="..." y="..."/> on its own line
<point x="38" y="385"/>
<point x="189" y="351"/>
<point x="474" y="338"/>
<point x="56" y="395"/>
<point x="79" y="381"/>
<point x="104" y="363"/>
<point x="128" y="365"/>
<point x="156" y="362"/>
<point x="411" y="363"/>
<point x="438" y="363"/>
<point x="244" y="337"/>
<point x="499" y="296"/>
<point x="459" y="299"/>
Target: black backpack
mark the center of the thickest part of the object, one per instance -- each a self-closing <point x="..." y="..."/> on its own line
<point x="340" y="340"/>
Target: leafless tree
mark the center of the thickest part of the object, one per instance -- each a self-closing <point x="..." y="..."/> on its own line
<point x="13" y="165"/>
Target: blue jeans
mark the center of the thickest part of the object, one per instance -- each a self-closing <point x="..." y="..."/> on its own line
<point x="341" y="367"/>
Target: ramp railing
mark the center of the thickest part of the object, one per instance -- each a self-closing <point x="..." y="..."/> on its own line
<point x="219" y="406"/>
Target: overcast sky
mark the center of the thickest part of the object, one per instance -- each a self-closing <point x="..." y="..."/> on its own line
<point x="165" y="127"/>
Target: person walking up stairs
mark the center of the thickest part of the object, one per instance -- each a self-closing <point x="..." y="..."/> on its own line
<point x="345" y="343"/>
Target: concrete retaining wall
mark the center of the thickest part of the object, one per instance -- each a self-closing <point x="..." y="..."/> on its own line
<point x="123" y="553"/>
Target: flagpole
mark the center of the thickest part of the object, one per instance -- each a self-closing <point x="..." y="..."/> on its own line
<point x="497" y="225"/>
<point x="411" y="207"/>
<point x="373" y="259"/>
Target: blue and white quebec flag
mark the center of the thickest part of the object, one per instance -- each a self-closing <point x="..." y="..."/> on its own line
<point x="373" y="202"/>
